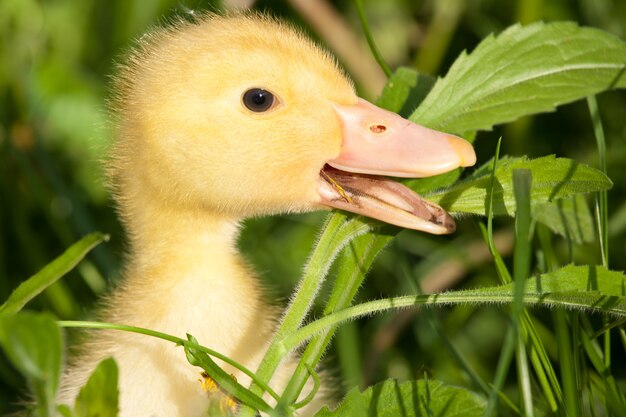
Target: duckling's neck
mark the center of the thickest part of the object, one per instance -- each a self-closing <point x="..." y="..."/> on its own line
<point x="159" y="227"/>
<point x="186" y="276"/>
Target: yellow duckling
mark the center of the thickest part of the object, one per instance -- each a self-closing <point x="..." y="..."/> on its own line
<point x="217" y="120"/>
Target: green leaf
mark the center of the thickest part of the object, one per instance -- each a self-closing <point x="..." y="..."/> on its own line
<point x="32" y="342"/>
<point x="64" y="411"/>
<point x="51" y="273"/>
<point x="569" y="217"/>
<point x="428" y="184"/>
<point x="588" y="287"/>
<point x="593" y="279"/>
<point x="524" y="70"/>
<point x="99" y="397"/>
<point x="553" y="178"/>
<point x="405" y="90"/>
<point x="226" y="382"/>
<point x="411" y="398"/>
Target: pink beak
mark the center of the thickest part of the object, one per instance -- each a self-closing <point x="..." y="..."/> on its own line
<point x="378" y="142"/>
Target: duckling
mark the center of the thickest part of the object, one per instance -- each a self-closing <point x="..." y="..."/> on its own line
<point x="218" y="120"/>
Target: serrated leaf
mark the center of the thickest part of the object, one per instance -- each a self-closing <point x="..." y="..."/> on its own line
<point x="50" y="273"/>
<point x="428" y="184"/>
<point x="589" y="286"/>
<point x="579" y="278"/>
<point x="568" y="217"/>
<point x="524" y="70"/>
<point x="408" y="399"/>
<point x="404" y="91"/>
<point x="99" y="397"/>
<point x="553" y="178"/>
<point x="32" y="342"/>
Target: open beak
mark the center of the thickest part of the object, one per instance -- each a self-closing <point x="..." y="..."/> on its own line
<point x="378" y="143"/>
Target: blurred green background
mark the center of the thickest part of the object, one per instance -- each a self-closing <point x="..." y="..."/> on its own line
<point x="56" y="60"/>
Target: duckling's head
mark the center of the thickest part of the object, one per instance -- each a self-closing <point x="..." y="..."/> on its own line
<point x="241" y="115"/>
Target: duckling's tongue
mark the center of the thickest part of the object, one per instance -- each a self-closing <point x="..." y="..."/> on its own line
<point x="378" y="142"/>
<point x="382" y="199"/>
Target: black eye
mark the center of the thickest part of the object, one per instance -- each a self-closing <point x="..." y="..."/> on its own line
<point x="258" y="100"/>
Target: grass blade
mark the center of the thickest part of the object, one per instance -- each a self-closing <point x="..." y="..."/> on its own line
<point x="568" y="362"/>
<point x="522" y="180"/>
<point x="538" y="356"/>
<point x="602" y="197"/>
<point x="521" y="266"/>
<point x="51" y="273"/>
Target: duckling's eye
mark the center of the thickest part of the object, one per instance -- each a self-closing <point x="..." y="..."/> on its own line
<point x="258" y="100"/>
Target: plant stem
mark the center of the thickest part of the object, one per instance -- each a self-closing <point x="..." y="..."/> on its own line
<point x="169" y="338"/>
<point x="337" y="233"/>
<point x="370" y="40"/>
<point x="444" y="23"/>
<point x="465" y="297"/>
<point x="357" y="259"/>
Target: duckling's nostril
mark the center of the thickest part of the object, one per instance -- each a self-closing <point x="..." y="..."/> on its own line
<point x="377" y="128"/>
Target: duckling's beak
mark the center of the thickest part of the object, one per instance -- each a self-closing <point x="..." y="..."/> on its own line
<point x="378" y="142"/>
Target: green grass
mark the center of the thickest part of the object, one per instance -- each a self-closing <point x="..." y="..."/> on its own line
<point x="490" y="339"/>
